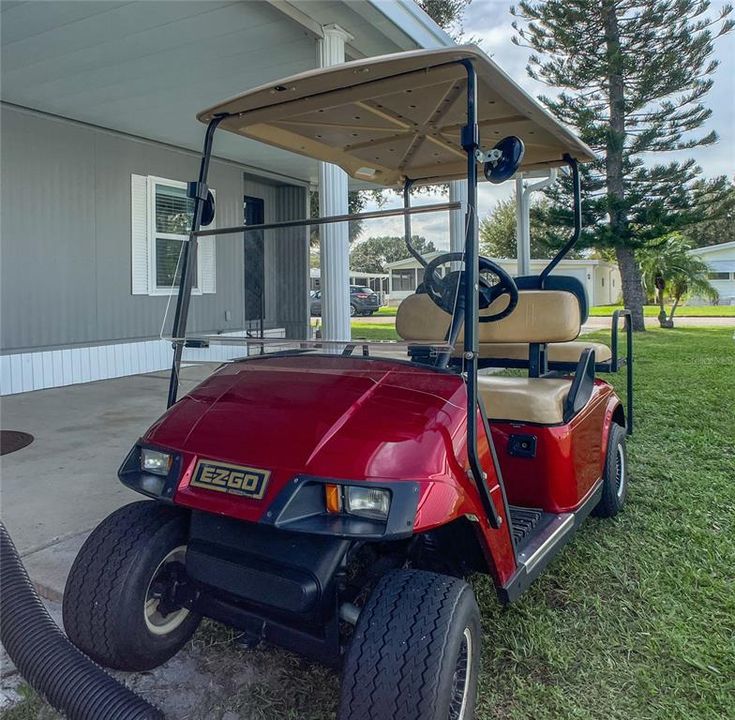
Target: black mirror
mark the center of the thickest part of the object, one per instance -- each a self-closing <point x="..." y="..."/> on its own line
<point x="208" y="210"/>
<point x="504" y="159"/>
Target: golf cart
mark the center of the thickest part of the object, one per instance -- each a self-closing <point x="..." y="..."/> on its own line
<point x="331" y="498"/>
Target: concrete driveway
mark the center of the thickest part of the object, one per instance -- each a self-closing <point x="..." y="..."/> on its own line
<point x="55" y="490"/>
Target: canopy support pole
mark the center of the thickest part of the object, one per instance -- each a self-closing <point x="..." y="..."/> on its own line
<point x="188" y="261"/>
<point x="469" y="304"/>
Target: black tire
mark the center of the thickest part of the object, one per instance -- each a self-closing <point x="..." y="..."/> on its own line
<point x="106" y="594"/>
<point x="615" y="478"/>
<point x="412" y="639"/>
<point x="353" y="311"/>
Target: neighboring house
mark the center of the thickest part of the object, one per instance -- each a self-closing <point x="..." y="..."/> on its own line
<point x="600" y="278"/>
<point x="721" y="261"/>
<point x="98" y="138"/>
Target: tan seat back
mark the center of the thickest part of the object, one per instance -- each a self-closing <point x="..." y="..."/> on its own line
<point x="541" y="316"/>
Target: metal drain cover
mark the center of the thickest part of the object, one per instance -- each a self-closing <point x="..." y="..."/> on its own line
<point x="12" y="440"/>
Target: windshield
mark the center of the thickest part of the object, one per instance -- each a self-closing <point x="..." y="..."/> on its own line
<point x="253" y="295"/>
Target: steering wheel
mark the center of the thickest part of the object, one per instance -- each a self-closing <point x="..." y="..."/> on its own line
<point x="444" y="290"/>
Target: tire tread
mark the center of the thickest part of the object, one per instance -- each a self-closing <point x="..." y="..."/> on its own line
<point x="99" y="572"/>
<point x="393" y="673"/>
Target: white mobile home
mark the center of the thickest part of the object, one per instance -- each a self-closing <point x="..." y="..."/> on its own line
<point x="99" y="136"/>
<point x="721" y="261"/>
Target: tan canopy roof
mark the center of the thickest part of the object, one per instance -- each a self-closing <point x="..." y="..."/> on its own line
<point x="388" y="118"/>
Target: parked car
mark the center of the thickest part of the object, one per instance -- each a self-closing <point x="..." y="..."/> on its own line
<point x="363" y="301"/>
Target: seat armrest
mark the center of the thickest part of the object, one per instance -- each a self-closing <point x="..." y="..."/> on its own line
<point x="582" y="385"/>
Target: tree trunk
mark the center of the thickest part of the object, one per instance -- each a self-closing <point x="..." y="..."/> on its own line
<point x="662" y="309"/>
<point x="633" y="295"/>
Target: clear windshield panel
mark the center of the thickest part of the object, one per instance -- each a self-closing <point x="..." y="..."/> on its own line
<point x="267" y="291"/>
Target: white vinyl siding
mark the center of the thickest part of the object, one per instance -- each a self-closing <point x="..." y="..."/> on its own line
<point x="161" y="218"/>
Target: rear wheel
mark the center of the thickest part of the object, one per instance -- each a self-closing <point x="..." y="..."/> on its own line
<point x="615" y="478"/>
<point x="121" y="602"/>
<point x="415" y="652"/>
<point x="353" y="311"/>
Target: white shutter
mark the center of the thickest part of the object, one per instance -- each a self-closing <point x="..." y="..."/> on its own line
<point x="207" y="261"/>
<point x="207" y="265"/>
<point x="139" y="234"/>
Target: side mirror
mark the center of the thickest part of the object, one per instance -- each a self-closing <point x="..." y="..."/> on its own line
<point x="502" y="162"/>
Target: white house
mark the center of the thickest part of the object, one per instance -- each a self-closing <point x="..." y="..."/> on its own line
<point x="600" y="278"/>
<point x="721" y="261"/>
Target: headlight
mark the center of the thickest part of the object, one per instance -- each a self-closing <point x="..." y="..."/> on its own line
<point x="154" y="461"/>
<point x="367" y="502"/>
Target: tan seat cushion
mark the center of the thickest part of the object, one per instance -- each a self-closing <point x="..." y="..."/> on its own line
<point x="566" y="352"/>
<point x="540" y="316"/>
<point x="522" y="399"/>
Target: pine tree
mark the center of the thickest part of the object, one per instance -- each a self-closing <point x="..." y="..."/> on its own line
<point x="634" y="75"/>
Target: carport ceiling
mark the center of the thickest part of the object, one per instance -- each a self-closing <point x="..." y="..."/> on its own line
<point x="147" y="68"/>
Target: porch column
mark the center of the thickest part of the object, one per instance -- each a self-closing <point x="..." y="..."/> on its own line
<point x="334" y="243"/>
<point x="523" y="237"/>
<point x="523" y="218"/>
<point x="457" y="193"/>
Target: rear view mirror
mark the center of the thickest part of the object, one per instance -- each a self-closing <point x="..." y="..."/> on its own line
<point x="504" y="159"/>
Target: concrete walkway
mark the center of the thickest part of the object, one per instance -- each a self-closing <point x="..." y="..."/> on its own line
<point x="55" y="490"/>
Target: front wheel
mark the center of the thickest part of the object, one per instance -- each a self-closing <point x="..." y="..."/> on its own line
<point x="122" y="602"/>
<point x="415" y="653"/>
<point x="353" y="311"/>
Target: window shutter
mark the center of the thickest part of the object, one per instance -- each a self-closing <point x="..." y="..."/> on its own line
<point x="139" y="234"/>
<point x="207" y="265"/>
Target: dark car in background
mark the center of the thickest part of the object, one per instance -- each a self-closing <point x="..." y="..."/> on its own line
<point x="363" y="301"/>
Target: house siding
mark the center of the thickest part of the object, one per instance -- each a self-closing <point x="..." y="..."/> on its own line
<point x="67" y="312"/>
<point x="66" y="237"/>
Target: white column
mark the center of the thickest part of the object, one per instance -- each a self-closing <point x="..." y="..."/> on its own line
<point x="523" y="218"/>
<point x="334" y="243"/>
<point x="457" y="193"/>
<point x="523" y="237"/>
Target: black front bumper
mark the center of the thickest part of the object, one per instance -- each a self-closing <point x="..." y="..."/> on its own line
<point x="272" y="584"/>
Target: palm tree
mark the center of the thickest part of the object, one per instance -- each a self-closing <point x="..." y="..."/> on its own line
<point x="667" y="266"/>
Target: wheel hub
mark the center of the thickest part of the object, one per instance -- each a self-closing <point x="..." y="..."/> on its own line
<point x="163" y="609"/>
<point x="461" y="679"/>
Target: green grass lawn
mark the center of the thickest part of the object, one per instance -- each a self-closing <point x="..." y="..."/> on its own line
<point x="372" y="331"/>
<point x="386" y="311"/>
<point x="636" y="618"/>
<point x="682" y="311"/>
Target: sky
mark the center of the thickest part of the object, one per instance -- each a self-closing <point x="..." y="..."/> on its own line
<point x="489" y="21"/>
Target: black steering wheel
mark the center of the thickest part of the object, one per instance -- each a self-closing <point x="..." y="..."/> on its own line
<point x="444" y="291"/>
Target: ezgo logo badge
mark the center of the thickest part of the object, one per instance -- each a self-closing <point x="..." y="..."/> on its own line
<point x="235" y="479"/>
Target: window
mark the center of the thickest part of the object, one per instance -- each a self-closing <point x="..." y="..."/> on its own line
<point x="718" y="275"/>
<point x="404" y="280"/>
<point x="161" y="221"/>
<point x="171" y="222"/>
<point x="603" y="281"/>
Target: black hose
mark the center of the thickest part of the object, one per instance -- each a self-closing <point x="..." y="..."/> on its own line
<point x="67" y="678"/>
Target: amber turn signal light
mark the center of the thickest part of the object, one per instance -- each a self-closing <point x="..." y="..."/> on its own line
<point x="333" y="498"/>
